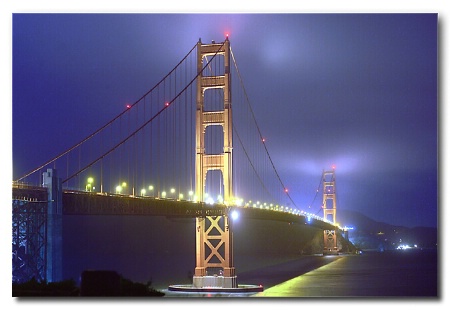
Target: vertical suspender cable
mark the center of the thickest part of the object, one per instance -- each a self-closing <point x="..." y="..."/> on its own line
<point x="259" y="132"/>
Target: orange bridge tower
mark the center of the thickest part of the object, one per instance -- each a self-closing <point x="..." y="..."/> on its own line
<point x="214" y="238"/>
<point x="330" y="246"/>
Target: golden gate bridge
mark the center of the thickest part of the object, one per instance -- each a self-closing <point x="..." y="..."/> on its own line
<point x="189" y="147"/>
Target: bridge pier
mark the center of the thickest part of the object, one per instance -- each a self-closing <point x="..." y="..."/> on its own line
<point x="214" y="253"/>
<point x="227" y="279"/>
<point x="29" y="223"/>
<point x="37" y="230"/>
<point x="54" y="225"/>
<point x="330" y="243"/>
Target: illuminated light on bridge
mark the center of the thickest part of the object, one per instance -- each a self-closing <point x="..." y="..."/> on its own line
<point x="89" y="187"/>
<point x="236" y="201"/>
<point x="219" y="199"/>
<point x="128" y="106"/>
<point x="118" y="189"/>
<point x="234" y="215"/>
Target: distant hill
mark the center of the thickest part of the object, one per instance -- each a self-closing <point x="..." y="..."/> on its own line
<point x="369" y="234"/>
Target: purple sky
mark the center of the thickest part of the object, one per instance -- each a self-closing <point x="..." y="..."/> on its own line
<point x="355" y="90"/>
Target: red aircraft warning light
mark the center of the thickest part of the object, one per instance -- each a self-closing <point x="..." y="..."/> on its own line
<point x="167" y="104"/>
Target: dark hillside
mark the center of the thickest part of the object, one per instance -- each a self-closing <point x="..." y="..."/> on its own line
<point x="370" y="234"/>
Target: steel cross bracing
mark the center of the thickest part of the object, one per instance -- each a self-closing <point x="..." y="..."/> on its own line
<point x="29" y="234"/>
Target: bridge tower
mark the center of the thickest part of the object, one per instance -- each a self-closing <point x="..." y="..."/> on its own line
<point x="214" y="239"/>
<point x="329" y="209"/>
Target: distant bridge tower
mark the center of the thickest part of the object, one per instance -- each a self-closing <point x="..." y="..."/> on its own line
<point x="329" y="209"/>
<point x="214" y="243"/>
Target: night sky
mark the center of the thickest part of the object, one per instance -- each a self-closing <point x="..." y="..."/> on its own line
<point x="358" y="91"/>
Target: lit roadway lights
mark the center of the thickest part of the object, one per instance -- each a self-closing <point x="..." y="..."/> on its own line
<point x="234" y="202"/>
<point x="169" y="194"/>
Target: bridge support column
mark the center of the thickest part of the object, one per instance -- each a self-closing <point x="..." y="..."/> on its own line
<point x="29" y="227"/>
<point x="330" y="242"/>
<point x="54" y="226"/>
<point x="330" y="245"/>
<point x="214" y="257"/>
<point x="214" y="238"/>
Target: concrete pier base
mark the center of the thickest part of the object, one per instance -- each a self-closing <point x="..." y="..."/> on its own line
<point x="215" y="281"/>
<point x="241" y="288"/>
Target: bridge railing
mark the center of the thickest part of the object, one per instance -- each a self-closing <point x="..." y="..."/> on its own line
<point x="23" y="185"/>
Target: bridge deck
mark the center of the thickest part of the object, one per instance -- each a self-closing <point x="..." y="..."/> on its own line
<point x="94" y="203"/>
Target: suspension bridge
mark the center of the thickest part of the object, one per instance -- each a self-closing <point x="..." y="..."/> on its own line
<point x="189" y="147"/>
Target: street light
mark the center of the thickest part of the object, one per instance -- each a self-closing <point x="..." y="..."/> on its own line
<point x="118" y="189"/>
<point x="90" y="180"/>
<point x="143" y="191"/>
<point x="123" y="186"/>
<point x="150" y="188"/>
<point x="163" y="194"/>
